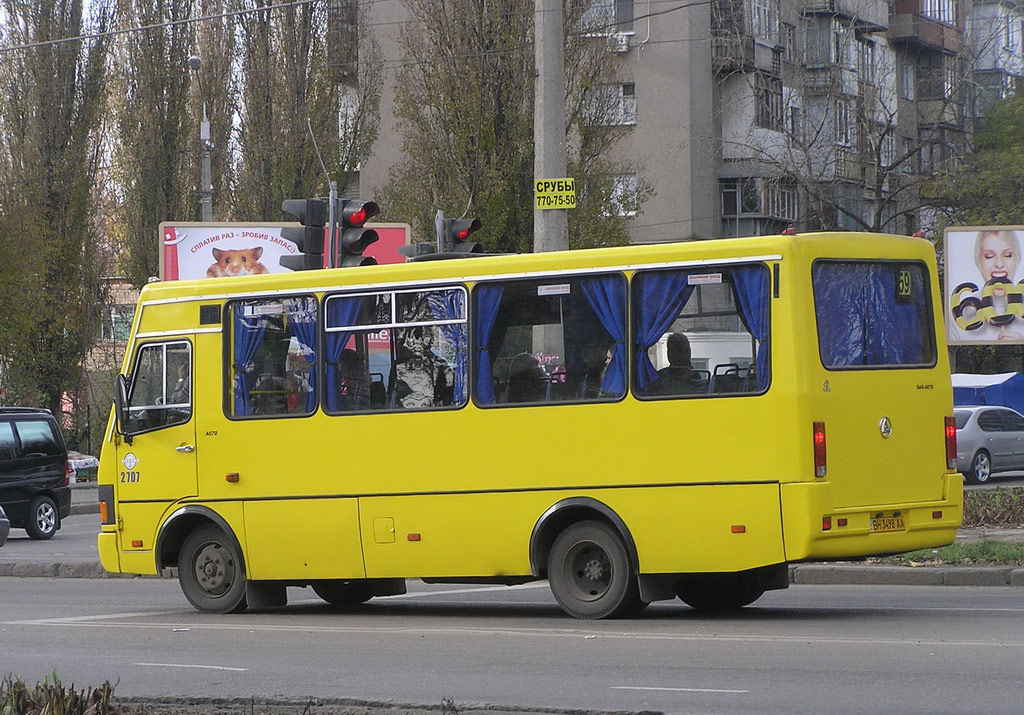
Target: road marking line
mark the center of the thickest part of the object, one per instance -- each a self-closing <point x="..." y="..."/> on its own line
<point x="82" y="619"/>
<point x="678" y="690"/>
<point x="185" y="665"/>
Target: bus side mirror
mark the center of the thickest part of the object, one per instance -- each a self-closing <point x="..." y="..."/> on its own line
<point x="121" y="407"/>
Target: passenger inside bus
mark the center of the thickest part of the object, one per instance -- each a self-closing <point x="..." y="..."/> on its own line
<point x="596" y="359"/>
<point x="679" y="378"/>
<point x="527" y="381"/>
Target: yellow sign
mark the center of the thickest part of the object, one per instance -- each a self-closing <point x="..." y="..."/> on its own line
<point x="554" y="193"/>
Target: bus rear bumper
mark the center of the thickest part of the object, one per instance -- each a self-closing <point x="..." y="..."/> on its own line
<point x="815" y="529"/>
<point x="107" y="545"/>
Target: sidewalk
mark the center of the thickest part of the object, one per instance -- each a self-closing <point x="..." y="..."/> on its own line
<point x="83" y="501"/>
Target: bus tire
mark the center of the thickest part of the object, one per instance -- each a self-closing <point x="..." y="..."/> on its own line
<point x="590" y="574"/>
<point x="981" y="468"/>
<point x="43" y="519"/>
<point x="343" y="594"/>
<point x="720" y="591"/>
<point x="211" y="572"/>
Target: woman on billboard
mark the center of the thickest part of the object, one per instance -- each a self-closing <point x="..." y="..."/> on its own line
<point x="993" y="311"/>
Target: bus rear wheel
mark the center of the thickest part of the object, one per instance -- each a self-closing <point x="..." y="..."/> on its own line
<point x="343" y="594"/>
<point x="590" y="574"/>
<point x="720" y="591"/>
<point x="211" y="573"/>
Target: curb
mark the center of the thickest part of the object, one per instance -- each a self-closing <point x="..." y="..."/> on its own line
<point x="87" y="508"/>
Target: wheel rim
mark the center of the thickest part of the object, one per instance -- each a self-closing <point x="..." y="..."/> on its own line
<point x="214" y="569"/>
<point x="46" y="518"/>
<point x="981" y="468"/>
<point x="588" y="571"/>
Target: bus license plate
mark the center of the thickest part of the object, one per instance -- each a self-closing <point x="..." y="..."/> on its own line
<point x="888" y="523"/>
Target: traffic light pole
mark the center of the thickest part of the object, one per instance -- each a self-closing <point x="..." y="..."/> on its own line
<point x="550" y="226"/>
<point x="332" y="215"/>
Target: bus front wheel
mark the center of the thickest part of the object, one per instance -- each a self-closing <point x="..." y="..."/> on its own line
<point x="211" y="573"/>
<point x="590" y="575"/>
<point x="720" y="591"/>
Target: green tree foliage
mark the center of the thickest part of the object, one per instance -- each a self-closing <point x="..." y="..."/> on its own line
<point x="987" y="188"/>
<point x="50" y="116"/>
<point x="464" y="101"/>
<point x="287" y="82"/>
<point x="154" y="157"/>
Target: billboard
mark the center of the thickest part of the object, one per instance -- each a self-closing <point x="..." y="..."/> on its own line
<point x="984" y="285"/>
<point x="211" y="250"/>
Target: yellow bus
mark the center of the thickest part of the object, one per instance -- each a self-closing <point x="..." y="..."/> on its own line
<point x="631" y="424"/>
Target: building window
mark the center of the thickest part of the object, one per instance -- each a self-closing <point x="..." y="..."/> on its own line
<point x="610" y="105"/>
<point x="796" y="125"/>
<point x="606" y="17"/>
<point x="788" y="42"/>
<point x="866" y="61"/>
<point x="623" y="197"/>
<point x="755" y="196"/>
<point x="888" y="153"/>
<point x="768" y="99"/>
<point x="765" y="21"/>
<point x="842" y="121"/>
<point x="941" y="10"/>
<point x="907" y="82"/>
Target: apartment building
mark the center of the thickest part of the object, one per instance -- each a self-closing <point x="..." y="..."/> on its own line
<point x="753" y="116"/>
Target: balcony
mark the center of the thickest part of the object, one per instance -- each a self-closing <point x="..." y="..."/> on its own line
<point x="942" y="112"/>
<point x="923" y="32"/>
<point x="832" y="80"/>
<point x="868" y="15"/>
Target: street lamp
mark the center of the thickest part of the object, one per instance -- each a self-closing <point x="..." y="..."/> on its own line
<point x="206" y="147"/>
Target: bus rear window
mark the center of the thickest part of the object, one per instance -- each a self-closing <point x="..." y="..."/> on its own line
<point x="873" y="314"/>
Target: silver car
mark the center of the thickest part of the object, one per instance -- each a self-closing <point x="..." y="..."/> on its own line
<point x="988" y="440"/>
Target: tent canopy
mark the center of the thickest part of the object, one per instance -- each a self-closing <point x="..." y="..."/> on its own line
<point x="1006" y="389"/>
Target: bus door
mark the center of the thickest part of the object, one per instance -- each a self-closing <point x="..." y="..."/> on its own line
<point x="884" y="388"/>
<point x="156" y="462"/>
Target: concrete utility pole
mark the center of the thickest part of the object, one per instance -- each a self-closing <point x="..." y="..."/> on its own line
<point x="550" y="226"/>
<point x="206" y="149"/>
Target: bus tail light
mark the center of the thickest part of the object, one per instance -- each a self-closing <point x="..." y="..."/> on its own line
<point x="106" y="499"/>
<point x="950" y="442"/>
<point x="819" y="449"/>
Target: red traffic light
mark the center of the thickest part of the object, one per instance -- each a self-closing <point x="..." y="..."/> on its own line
<point x="356" y="213"/>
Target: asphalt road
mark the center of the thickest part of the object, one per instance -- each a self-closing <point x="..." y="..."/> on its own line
<point x="813" y="649"/>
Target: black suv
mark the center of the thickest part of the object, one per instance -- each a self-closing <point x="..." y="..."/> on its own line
<point x="34" y="471"/>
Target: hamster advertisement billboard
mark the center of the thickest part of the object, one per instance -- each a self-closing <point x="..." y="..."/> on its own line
<point x="214" y="250"/>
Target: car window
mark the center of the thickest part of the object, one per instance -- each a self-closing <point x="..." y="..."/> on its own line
<point x="37" y="438"/>
<point x="8" y="447"/>
<point x="1012" y="422"/>
<point x="990" y="421"/>
<point x="961" y="418"/>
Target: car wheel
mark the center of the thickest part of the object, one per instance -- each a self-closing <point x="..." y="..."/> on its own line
<point x="43" y="520"/>
<point x="343" y="594"/>
<point x="981" y="468"/>
<point x="590" y="574"/>
<point x="211" y="572"/>
<point x="719" y="591"/>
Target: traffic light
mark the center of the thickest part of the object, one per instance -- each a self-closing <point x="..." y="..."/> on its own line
<point x="457" y="230"/>
<point x="312" y="214"/>
<point x="354" y="238"/>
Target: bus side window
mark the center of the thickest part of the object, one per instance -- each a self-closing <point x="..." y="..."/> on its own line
<point x="273" y="357"/>
<point x="550" y="340"/>
<point x="396" y="350"/>
<point x="699" y="332"/>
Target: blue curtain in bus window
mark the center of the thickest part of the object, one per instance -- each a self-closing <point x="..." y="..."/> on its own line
<point x="341" y="312"/>
<point x="896" y="331"/>
<point x="607" y="297"/>
<point x="859" y="319"/>
<point x="302" y="320"/>
<point x="750" y="284"/>
<point x="448" y="305"/>
<point x="488" y="300"/>
<point x="658" y="298"/>
<point x="248" y="338"/>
